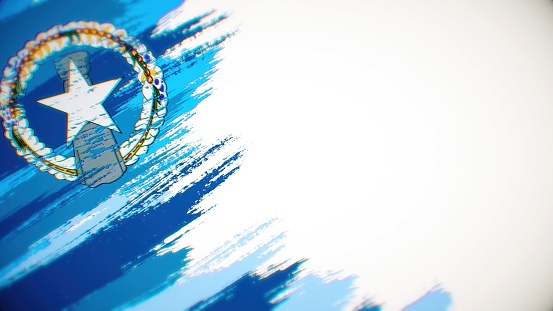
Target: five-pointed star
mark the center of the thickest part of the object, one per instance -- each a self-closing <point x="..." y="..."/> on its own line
<point x="83" y="102"/>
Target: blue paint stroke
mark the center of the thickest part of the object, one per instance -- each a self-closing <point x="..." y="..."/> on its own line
<point x="99" y="260"/>
<point x="191" y="289"/>
<point x="367" y="306"/>
<point x="34" y="203"/>
<point x="251" y="292"/>
<point x="19" y="28"/>
<point x="107" y="251"/>
<point x="435" y="300"/>
<point x="152" y="275"/>
<point x="9" y="8"/>
<point x="314" y="293"/>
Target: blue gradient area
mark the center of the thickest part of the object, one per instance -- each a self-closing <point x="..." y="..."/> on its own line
<point x="149" y="277"/>
<point x="134" y="16"/>
<point x="251" y="292"/>
<point x="65" y="281"/>
<point x="91" y="274"/>
<point x="314" y="293"/>
<point x="435" y="300"/>
<point x="201" y="291"/>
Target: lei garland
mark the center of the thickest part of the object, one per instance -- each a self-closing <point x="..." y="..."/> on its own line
<point x="22" y="66"/>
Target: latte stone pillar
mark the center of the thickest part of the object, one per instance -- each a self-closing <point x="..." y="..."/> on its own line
<point x="97" y="157"/>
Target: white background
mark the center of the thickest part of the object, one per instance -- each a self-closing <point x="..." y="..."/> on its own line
<point x="409" y="143"/>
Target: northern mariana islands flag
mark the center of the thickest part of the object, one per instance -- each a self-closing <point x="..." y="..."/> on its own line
<point x="276" y="155"/>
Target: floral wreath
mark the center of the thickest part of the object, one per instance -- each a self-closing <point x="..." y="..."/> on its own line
<point x="20" y="70"/>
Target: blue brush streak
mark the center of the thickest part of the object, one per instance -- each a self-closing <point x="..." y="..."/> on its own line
<point x="192" y="289"/>
<point x="148" y="278"/>
<point x="95" y="273"/>
<point x="9" y="225"/>
<point x="435" y="300"/>
<point x="181" y="102"/>
<point x="41" y="17"/>
<point x="313" y="293"/>
<point x="367" y="305"/>
<point x="106" y="252"/>
<point x="10" y="8"/>
<point x="50" y="124"/>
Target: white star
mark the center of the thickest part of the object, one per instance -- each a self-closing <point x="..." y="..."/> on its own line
<point x="83" y="103"/>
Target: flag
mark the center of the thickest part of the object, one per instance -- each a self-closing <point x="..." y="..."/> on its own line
<point x="306" y="155"/>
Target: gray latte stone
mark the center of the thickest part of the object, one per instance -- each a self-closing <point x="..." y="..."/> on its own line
<point x="97" y="155"/>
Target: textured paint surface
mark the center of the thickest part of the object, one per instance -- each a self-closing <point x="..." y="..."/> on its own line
<point x="437" y="299"/>
<point x="118" y="246"/>
<point x="315" y="156"/>
<point x="97" y="249"/>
